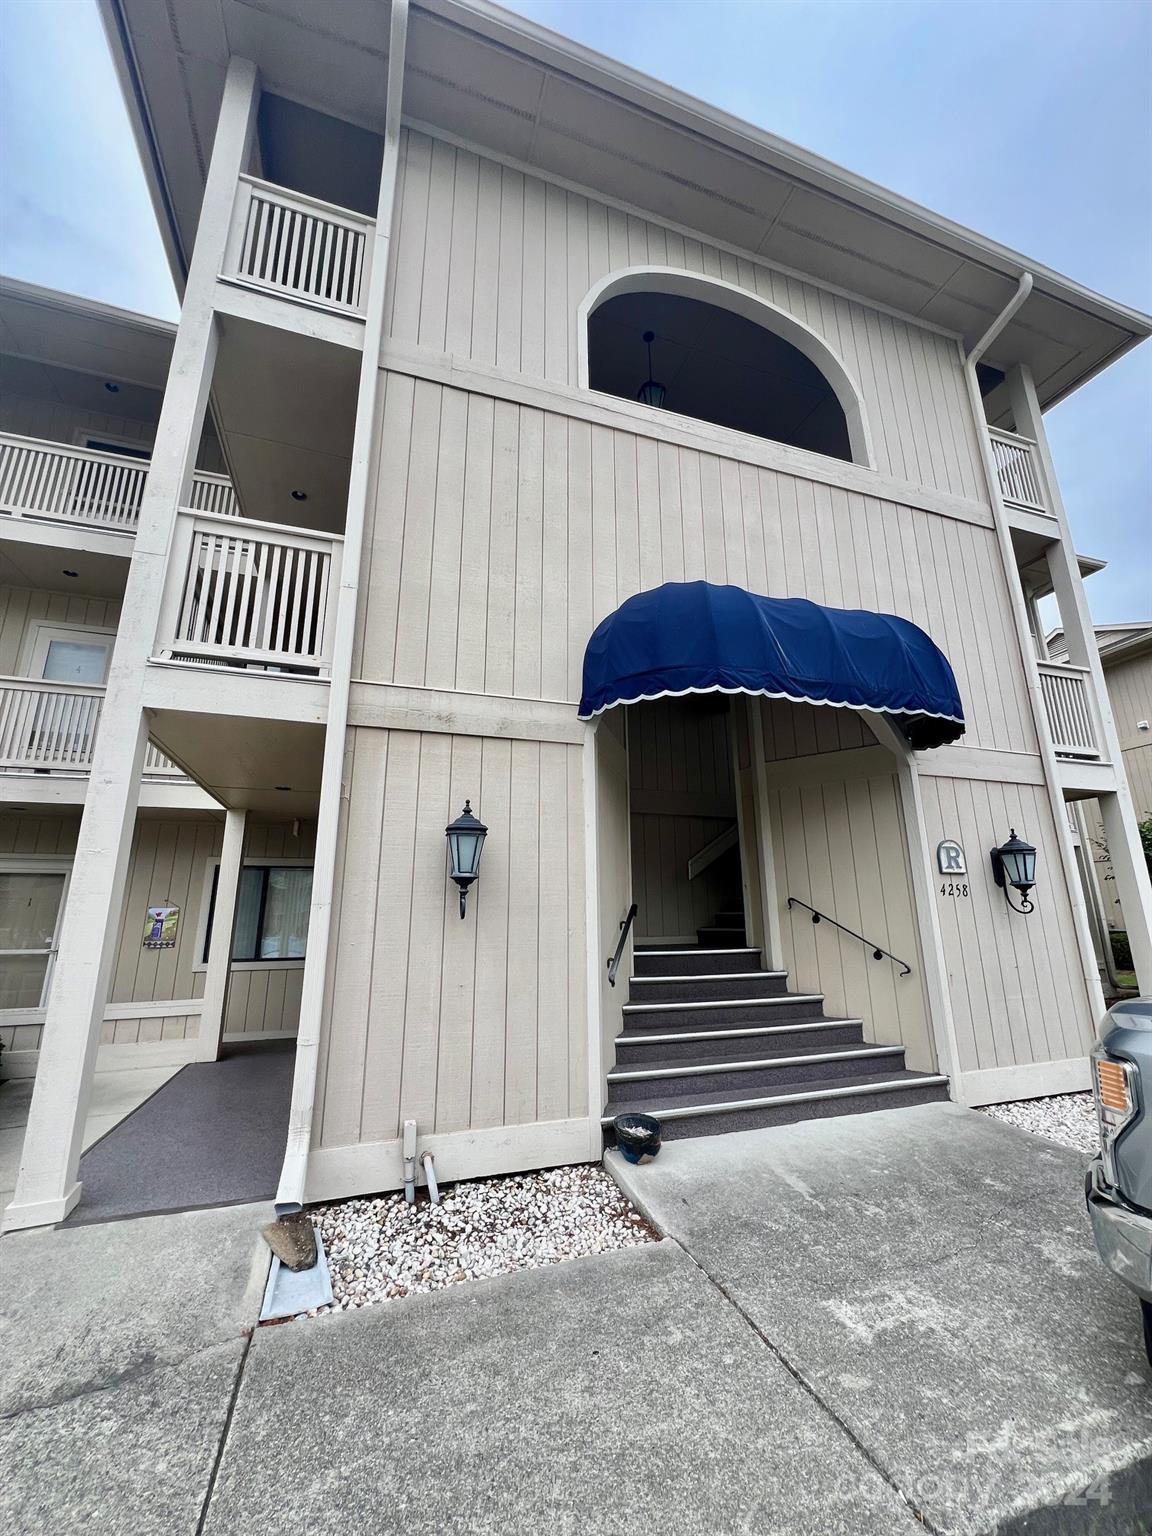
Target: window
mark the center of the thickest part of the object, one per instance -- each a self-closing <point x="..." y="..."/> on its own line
<point x="69" y="653"/>
<point x="30" y="902"/>
<point x="126" y="450"/>
<point x="271" y="913"/>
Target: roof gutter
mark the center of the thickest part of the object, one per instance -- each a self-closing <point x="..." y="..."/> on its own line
<point x="1023" y="289"/>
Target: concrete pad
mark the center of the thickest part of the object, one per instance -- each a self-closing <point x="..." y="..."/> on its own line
<point x="930" y="1274"/>
<point x="132" y="1457"/>
<point x="614" y="1393"/>
<point x="83" y="1308"/>
<point x="15" y="1097"/>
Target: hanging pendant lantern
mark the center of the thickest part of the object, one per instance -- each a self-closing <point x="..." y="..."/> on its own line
<point x="651" y="392"/>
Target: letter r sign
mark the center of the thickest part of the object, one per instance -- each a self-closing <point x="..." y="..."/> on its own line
<point x="950" y="858"/>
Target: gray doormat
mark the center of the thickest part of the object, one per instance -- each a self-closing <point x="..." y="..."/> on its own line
<point x="213" y="1135"/>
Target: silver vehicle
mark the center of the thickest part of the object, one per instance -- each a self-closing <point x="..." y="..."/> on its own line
<point x="1119" y="1183"/>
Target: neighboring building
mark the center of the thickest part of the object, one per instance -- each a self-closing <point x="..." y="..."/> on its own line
<point x="420" y="250"/>
<point x="1126" y="656"/>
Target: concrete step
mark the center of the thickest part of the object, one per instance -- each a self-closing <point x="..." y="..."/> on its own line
<point x="706" y="988"/>
<point x="721" y="938"/>
<point x="695" y="961"/>
<point x="788" y="1008"/>
<point x="714" y="1113"/>
<point x="680" y="1082"/>
<point x="648" y="1048"/>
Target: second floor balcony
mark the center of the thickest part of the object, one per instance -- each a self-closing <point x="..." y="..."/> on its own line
<point x="61" y="484"/>
<point x="1020" y="474"/>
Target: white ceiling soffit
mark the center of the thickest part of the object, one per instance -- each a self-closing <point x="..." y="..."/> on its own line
<point x="501" y="81"/>
<point x="61" y="331"/>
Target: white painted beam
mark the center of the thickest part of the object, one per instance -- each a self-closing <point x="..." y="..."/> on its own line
<point x="220" y="944"/>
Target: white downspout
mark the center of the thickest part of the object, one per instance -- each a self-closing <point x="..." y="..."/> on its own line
<point x="293" y="1175"/>
<point x="1088" y="966"/>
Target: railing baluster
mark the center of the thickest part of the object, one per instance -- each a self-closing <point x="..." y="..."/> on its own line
<point x="298" y="245"/>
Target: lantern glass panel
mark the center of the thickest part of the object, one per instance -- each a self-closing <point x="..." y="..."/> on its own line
<point x="653" y="394"/>
<point x="466" y="852"/>
<point x="1020" y="865"/>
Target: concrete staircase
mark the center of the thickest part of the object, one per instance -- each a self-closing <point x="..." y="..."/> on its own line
<point x="712" y="1042"/>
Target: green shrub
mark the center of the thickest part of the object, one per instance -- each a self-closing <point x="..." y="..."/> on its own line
<point x="1121" y="949"/>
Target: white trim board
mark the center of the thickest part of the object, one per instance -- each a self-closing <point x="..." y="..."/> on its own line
<point x="373" y="1166"/>
<point x="111" y="1057"/>
<point x="1032" y="1080"/>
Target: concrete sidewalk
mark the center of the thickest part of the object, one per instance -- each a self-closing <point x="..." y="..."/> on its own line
<point x="928" y="1274"/>
<point x="880" y="1325"/>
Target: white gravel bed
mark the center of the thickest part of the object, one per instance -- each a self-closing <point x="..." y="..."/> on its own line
<point x="1066" y="1118"/>
<point x="382" y="1249"/>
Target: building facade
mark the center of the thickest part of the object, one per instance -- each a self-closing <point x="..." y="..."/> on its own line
<point x="490" y="336"/>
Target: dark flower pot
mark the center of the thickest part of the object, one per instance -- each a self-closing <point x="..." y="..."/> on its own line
<point x="637" y="1136"/>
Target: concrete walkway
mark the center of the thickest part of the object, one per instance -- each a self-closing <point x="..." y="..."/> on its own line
<point x="882" y="1325"/>
<point x="929" y="1276"/>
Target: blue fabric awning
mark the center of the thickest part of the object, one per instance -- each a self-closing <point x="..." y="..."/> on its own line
<point x="693" y="637"/>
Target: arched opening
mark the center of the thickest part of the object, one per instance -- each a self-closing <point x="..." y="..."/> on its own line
<point x="721" y="355"/>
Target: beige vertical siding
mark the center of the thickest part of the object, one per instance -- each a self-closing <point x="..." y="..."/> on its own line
<point x="26" y="833"/>
<point x="492" y="265"/>
<point x="682" y="796"/>
<point x="21" y="608"/>
<point x="798" y="730"/>
<point x="167" y="867"/>
<point x="1017" y="993"/>
<point x="34" y="416"/>
<point x="456" y="1024"/>
<point x="502" y="534"/>
<point x="839" y="843"/>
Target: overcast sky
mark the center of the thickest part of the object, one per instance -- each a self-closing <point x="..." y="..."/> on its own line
<point x="1028" y="120"/>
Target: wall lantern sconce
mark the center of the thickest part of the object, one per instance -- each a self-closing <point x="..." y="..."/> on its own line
<point x="1014" y="864"/>
<point x="465" y="845"/>
<point x="650" y="392"/>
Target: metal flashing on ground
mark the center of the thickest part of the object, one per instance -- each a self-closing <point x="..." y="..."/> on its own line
<point x="289" y="1292"/>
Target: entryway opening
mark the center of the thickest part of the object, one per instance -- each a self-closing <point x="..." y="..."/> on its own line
<point x="687" y="871"/>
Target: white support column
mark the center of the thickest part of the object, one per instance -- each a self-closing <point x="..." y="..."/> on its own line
<point x="769" y="895"/>
<point x="220" y="943"/>
<point x="47" y="1187"/>
<point x="592" y="942"/>
<point x="1124" y="846"/>
<point x="924" y="898"/>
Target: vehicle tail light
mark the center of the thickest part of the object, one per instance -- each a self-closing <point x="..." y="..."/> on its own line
<point x="1115" y="1095"/>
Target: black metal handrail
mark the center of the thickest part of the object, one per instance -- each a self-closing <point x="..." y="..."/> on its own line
<point x="877" y="952"/>
<point x="625" y="923"/>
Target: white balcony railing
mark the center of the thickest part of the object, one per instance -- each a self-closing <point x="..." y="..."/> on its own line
<point x="79" y="485"/>
<point x="298" y="245"/>
<point x="51" y="728"/>
<point x="1018" y="469"/>
<point x="263" y="598"/>
<point x="1068" y="706"/>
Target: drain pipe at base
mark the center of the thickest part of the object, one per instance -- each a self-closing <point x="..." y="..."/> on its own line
<point x="1089" y="970"/>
